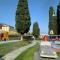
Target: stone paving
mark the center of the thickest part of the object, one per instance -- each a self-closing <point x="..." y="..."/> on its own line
<point x="4" y="42"/>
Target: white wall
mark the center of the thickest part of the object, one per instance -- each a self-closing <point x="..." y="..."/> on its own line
<point x="5" y="28"/>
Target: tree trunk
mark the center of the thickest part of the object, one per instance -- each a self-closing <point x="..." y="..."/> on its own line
<point x="21" y="37"/>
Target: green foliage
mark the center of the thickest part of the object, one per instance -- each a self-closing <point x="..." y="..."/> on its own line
<point x="58" y="53"/>
<point x="54" y="25"/>
<point x="52" y="21"/>
<point x="36" y="30"/>
<point x="51" y="11"/>
<point x="22" y="17"/>
<point x="58" y="18"/>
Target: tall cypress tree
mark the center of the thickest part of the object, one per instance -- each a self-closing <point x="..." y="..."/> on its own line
<point x="22" y="17"/>
<point x="51" y="12"/>
<point x="58" y="18"/>
<point x="36" y="30"/>
<point x="54" y="25"/>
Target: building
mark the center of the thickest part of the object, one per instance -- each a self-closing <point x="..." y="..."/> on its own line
<point x="8" y="28"/>
<point x="5" y="28"/>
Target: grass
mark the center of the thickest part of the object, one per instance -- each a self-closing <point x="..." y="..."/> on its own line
<point x="5" y="48"/>
<point x="58" y="53"/>
<point x="28" y="54"/>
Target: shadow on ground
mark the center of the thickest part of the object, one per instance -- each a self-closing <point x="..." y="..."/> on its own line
<point x="1" y="57"/>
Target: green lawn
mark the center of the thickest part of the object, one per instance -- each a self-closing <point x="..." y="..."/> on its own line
<point x="5" y="48"/>
<point x="58" y="53"/>
<point x="28" y="54"/>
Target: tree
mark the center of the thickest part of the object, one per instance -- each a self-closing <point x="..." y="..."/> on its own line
<point x="22" y="17"/>
<point x="52" y="19"/>
<point x="58" y="18"/>
<point x="36" y="30"/>
<point x="54" y="25"/>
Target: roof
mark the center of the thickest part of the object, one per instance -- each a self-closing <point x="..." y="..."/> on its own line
<point x="2" y="24"/>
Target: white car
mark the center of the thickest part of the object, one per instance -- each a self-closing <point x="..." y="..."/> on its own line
<point x="46" y="50"/>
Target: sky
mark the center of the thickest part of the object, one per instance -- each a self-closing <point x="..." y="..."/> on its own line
<point x="39" y="11"/>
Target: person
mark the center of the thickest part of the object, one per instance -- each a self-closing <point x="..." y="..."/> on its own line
<point x="45" y="38"/>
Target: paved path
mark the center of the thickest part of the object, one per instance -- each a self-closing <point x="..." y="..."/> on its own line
<point x="36" y="56"/>
<point x="4" y="42"/>
<point x="12" y="55"/>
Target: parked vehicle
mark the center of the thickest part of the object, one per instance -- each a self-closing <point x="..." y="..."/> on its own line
<point x="46" y="50"/>
<point x="54" y="37"/>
